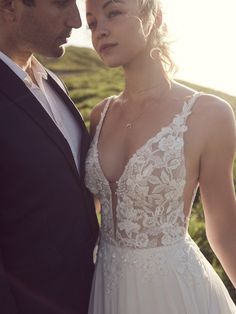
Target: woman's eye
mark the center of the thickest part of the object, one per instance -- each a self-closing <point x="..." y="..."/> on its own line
<point x="114" y="13"/>
<point x="92" y="25"/>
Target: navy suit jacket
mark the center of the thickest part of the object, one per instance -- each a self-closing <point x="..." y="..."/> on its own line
<point x="48" y="225"/>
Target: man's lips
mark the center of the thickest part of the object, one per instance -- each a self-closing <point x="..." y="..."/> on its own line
<point x="65" y="36"/>
<point x="106" y="47"/>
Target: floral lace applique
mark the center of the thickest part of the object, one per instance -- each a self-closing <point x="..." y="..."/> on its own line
<point x="149" y="211"/>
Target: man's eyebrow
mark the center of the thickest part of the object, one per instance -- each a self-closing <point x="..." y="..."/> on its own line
<point x="106" y="4"/>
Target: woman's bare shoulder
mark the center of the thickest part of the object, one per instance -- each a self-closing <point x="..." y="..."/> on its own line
<point x="212" y="122"/>
<point x="95" y="114"/>
<point x="214" y="110"/>
<point x="208" y="107"/>
<point x="216" y="122"/>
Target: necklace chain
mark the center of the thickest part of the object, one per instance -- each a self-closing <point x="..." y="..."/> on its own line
<point x="129" y="123"/>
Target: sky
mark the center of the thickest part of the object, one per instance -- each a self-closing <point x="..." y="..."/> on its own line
<point x="203" y="35"/>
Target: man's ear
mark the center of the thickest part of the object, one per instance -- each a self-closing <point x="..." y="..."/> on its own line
<point x="7" y="9"/>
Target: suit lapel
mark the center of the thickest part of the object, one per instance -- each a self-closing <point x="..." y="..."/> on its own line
<point x="21" y="96"/>
<point x="85" y="139"/>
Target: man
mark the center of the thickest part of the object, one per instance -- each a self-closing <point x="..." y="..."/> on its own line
<point x="48" y="226"/>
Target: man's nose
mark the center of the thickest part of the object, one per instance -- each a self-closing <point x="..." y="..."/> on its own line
<point x="74" y="19"/>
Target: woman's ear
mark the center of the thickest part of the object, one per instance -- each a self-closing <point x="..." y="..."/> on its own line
<point x="157" y="21"/>
<point x="158" y="18"/>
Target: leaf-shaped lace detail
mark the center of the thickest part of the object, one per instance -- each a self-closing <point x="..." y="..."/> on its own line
<point x="149" y="211"/>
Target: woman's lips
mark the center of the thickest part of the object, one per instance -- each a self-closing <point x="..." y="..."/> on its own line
<point x="105" y="48"/>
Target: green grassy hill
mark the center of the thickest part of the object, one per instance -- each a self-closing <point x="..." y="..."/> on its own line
<point x="89" y="81"/>
<point x="81" y="70"/>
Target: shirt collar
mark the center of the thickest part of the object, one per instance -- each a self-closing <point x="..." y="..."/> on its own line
<point x="13" y="66"/>
<point x="38" y="70"/>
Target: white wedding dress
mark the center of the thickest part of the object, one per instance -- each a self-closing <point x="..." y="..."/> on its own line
<point x="146" y="262"/>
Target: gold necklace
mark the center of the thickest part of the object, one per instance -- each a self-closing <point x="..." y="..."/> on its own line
<point x="129" y="124"/>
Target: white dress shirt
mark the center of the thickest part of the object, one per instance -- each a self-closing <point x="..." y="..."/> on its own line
<point x="51" y="102"/>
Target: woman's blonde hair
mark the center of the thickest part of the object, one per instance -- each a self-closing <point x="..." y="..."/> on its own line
<point x="151" y="10"/>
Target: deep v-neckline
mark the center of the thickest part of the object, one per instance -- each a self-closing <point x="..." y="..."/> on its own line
<point x="189" y="102"/>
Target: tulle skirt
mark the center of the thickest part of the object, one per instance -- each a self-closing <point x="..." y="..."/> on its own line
<point x="166" y="280"/>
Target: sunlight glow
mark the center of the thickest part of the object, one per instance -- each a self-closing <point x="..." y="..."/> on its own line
<point x="203" y="35"/>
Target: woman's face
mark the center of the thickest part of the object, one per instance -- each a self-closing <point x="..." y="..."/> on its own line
<point x="118" y="34"/>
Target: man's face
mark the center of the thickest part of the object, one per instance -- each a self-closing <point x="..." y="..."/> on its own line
<point x="44" y="27"/>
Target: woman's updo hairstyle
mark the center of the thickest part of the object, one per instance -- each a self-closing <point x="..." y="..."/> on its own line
<point x="151" y="11"/>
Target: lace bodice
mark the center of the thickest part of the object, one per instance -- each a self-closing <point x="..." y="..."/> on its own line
<point x="150" y="204"/>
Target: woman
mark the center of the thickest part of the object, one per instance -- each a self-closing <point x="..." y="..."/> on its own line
<point x="153" y="145"/>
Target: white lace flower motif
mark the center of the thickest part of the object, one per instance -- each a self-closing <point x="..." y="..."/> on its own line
<point x="142" y="240"/>
<point x="129" y="227"/>
<point x="171" y="143"/>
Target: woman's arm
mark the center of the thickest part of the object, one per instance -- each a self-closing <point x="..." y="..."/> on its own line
<point x="216" y="185"/>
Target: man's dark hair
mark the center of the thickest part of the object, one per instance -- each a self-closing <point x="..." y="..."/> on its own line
<point x="28" y="2"/>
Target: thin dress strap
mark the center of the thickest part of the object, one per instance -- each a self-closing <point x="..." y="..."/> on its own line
<point x="188" y="105"/>
<point x="102" y="117"/>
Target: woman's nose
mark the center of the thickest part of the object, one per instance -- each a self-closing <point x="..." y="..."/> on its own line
<point x="102" y="30"/>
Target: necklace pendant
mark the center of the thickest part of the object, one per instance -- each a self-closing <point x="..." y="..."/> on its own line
<point x="129" y="125"/>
